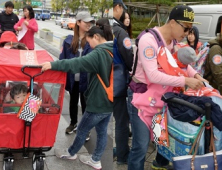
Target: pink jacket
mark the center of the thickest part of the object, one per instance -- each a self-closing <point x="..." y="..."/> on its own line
<point x="28" y="38"/>
<point x="158" y="82"/>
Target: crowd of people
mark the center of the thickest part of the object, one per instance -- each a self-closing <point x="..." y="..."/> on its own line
<point x="10" y="23"/>
<point x="93" y="51"/>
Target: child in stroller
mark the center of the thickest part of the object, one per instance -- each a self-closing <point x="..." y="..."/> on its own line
<point x="17" y="94"/>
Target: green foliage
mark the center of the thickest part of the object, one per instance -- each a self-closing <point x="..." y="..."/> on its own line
<point x="105" y="4"/>
<point x="73" y="5"/>
<point x="92" y="6"/>
<point x="141" y="24"/>
<point x="161" y="2"/>
<point x="57" y="5"/>
<point x="18" y="5"/>
<point x="98" y="5"/>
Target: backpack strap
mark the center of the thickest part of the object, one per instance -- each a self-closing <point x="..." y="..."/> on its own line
<point x="157" y="38"/>
<point x="109" y="90"/>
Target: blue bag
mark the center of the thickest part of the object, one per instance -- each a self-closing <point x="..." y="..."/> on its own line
<point x="211" y="161"/>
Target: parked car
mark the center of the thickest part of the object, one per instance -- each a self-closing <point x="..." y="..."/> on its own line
<point x="69" y="24"/>
<point x="59" y="21"/>
<point x="210" y="17"/>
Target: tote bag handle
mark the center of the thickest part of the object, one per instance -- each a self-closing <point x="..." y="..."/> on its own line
<point x="197" y="142"/>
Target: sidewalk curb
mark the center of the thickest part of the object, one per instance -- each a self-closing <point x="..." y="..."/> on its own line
<point x="46" y="45"/>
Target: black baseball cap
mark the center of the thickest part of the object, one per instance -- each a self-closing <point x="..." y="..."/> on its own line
<point x="183" y="13"/>
<point x="119" y="2"/>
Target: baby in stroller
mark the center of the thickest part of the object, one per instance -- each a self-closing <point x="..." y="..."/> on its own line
<point x="17" y="94"/>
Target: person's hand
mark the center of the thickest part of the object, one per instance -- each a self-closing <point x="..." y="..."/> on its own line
<point x="193" y="83"/>
<point x="46" y="66"/>
<point x="19" y="28"/>
<point x="197" y="76"/>
<point x="26" y="23"/>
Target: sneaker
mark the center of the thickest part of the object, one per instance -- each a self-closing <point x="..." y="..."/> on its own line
<point x="64" y="154"/>
<point x="88" y="161"/>
<point x="71" y="128"/>
<point x="156" y="166"/>
<point x="88" y="137"/>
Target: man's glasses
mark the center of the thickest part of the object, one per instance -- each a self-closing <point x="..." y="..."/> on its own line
<point x="186" y="29"/>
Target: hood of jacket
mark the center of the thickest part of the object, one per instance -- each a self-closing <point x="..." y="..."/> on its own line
<point x="107" y="46"/>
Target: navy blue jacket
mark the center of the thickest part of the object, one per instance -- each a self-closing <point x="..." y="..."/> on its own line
<point x="186" y="114"/>
<point x="67" y="53"/>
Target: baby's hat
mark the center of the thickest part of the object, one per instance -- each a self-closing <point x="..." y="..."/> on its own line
<point x="186" y="55"/>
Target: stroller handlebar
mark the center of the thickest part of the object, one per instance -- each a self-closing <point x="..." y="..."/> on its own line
<point x="186" y="103"/>
<point x="31" y="66"/>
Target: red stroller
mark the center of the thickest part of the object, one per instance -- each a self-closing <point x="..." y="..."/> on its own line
<point x="38" y="136"/>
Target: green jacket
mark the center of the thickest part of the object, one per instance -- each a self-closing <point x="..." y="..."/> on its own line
<point x="213" y="66"/>
<point x="96" y="62"/>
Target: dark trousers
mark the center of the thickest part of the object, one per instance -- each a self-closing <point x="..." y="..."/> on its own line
<point x="121" y="128"/>
<point x="73" y="104"/>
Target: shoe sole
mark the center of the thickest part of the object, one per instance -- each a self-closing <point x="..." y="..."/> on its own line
<point x="90" y="165"/>
<point x="68" y="133"/>
<point x="156" y="168"/>
<point x="66" y="158"/>
<point x="87" y="139"/>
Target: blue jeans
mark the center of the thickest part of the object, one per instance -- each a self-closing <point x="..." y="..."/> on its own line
<point x="121" y="128"/>
<point x="89" y="120"/>
<point x="141" y="138"/>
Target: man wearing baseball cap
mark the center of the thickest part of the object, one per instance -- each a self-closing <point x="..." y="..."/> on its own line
<point x="147" y="72"/>
<point x="123" y="51"/>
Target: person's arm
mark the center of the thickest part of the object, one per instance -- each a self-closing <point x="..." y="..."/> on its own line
<point x="215" y="63"/>
<point x="190" y="71"/>
<point x="125" y="47"/>
<point x="89" y="63"/>
<point x="64" y="50"/>
<point x="147" y="54"/>
<point x="148" y="57"/>
<point x="17" y="19"/>
<point x="32" y="25"/>
<point x="17" y="26"/>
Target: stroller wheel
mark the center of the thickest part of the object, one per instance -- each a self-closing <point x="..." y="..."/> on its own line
<point x="8" y="165"/>
<point x="37" y="162"/>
